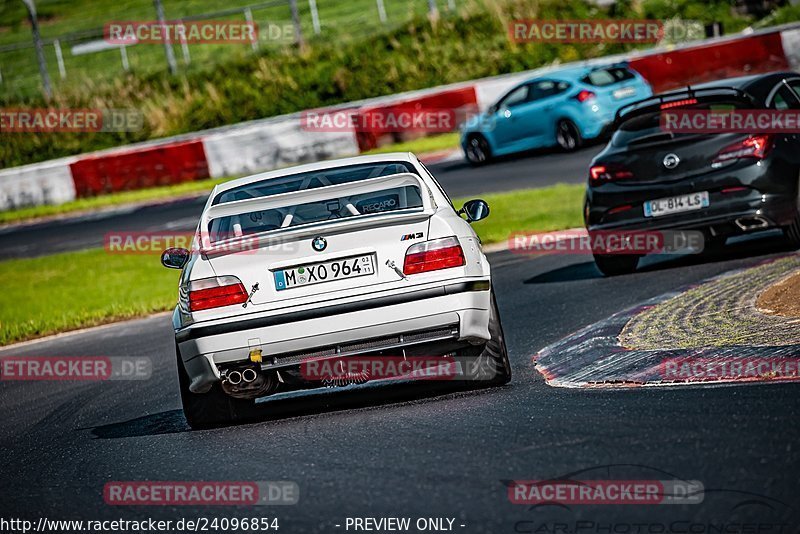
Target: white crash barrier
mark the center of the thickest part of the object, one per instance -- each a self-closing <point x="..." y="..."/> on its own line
<point x="49" y="182"/>
<point x="272" y="144"/>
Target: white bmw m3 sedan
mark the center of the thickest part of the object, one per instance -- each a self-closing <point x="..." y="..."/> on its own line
<point x="358" y="258"/>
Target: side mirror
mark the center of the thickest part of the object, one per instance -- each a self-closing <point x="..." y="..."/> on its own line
<point x="175" y="258"/>
<point x="475" y="210"/>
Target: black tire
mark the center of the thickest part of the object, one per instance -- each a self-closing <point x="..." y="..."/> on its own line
<point x="792" y="232"/>
<point x="568" y="136"/>
<point x="488" y="364"/>
<point x="616" y="264"/>
<point x="478" y="152"/>
<point x="215" y="408"/>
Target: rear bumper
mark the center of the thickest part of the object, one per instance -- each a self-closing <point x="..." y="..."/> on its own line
<point x="718" y="220"/>
<point x="768" y="190"/>
<point x="454" y="313"/>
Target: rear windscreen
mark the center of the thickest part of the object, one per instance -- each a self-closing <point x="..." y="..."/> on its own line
<point x="313" y="180"/>
<point x="646" y="127"/>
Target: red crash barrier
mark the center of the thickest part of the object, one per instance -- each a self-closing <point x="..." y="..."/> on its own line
<point x="166" y="164"/>
<point x="705" y="63"/>
<point x="452" y="106"/>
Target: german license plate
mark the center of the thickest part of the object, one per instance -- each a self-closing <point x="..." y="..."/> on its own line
<point x="666" y="206"/>
<point x="328" y="271"/>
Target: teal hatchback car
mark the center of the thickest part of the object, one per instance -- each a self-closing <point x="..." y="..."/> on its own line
<point x="561" y="109"/>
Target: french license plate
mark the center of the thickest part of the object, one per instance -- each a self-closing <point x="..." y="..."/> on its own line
<point x="328" y="271"/>
<point x="665" y="206"/>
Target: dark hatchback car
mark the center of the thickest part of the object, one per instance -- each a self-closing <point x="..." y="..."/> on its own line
<point x="723" y="184"/>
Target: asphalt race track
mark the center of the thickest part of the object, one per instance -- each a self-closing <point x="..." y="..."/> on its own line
<point x="457" y="177"/>
<point x="415" y="451"/>
<point x="405" y="450"/>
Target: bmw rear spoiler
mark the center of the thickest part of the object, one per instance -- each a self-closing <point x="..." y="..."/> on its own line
<point x="654" y="103"/>
<point x="319" y="194"/>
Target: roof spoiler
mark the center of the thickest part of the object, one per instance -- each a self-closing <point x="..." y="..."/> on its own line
<point x="319" y="194"/>
<point x="654" y="103"/>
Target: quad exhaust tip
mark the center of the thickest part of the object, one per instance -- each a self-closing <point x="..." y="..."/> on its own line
<point x="752" y="223"/>
<point x="234" y="378"/>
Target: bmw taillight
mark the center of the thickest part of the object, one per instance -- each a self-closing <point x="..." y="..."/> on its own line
<point x="216" y="292"/>
<point x="755" y="146"/>
<point x="433" y="256"/>
<point x="600" y="174"/>
<point x="584" y="95"/>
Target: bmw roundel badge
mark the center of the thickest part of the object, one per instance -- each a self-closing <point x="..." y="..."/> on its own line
<point x="319" y="244"/>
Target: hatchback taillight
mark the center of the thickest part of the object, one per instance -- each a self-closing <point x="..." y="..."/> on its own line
<point x="755" y="146"/>
<point x="610" y="172"/>
<point x="216" y="292"/>
<point x="584" y="95"/>
<point x="433" y="255"/>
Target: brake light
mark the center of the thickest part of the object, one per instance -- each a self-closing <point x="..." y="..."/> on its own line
<point x="599" y="174"/>
<point x="584" y="95"/>
<point x="679" y="103"/>
<point x="755" y="146"/>
<point x="216" y="292"/>
<point x="433" y="256"/>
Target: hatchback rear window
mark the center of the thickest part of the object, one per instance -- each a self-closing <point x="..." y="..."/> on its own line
<point x="644" y="128"/>
<point x="604" y="77"/>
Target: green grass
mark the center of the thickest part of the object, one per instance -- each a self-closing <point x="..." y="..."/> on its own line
<point x="60" y="18"/>
<point x="115" y="199"/>
<point x="78" y="289"/>
<point x="530" y="210"/>
<point x="422" y="145"/>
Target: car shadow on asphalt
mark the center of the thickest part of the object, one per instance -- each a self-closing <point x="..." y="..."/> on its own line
<point x="752" y="248"/>
<point x="290" y="405"/>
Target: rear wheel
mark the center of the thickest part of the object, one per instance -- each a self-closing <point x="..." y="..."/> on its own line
<point x="477" y="150"/>
<point x="204" y="410"/>
<point x="488" y="364"/>
<point x="616" y="264"/>
<point x="568" y="136"/>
